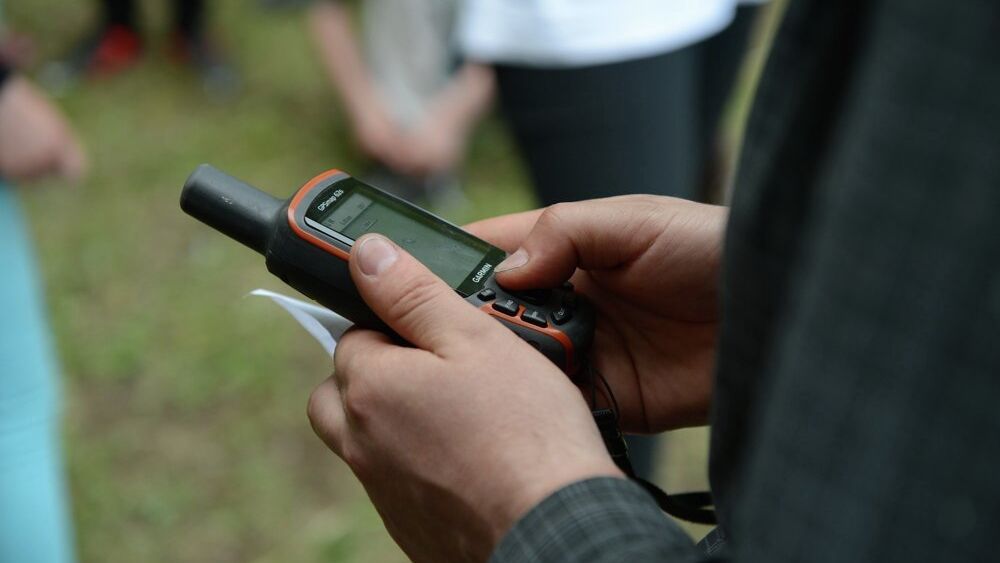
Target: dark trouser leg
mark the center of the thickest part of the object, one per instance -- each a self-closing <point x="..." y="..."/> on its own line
<point x="119" y="12"/>
<point x="189" y="18"/>
<point x="642" y="126"/>
<point x="606" y="130"/>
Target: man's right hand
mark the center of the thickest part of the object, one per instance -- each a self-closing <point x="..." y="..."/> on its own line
<point x="651" y="267"/>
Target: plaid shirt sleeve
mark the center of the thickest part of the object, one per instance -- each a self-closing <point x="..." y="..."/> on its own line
<point x="596" y="520"/>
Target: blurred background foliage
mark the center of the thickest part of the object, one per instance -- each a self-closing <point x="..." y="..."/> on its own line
<point x="185" y="402"/>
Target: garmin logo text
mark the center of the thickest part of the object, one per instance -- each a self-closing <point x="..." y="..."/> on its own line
<point x="482" y="273"/>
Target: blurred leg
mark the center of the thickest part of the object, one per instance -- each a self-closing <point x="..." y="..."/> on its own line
<point x="598" y="131"/>
<point x="119" y="12"/>
<point x="34" y="520"/>
<point x="622" y="128"/>
<point x="192" y="45"/>
<point x="113" y="46"/>
<point x="189" y="18"/>
<point x="410" y="52"/>
<point x="642" y="126"/>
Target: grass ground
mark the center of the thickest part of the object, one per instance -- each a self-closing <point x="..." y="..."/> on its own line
<point x="186" y="430"/>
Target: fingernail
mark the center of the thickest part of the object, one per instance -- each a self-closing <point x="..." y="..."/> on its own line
<point x="516" y="260"/>
<point x="375" y="255"/>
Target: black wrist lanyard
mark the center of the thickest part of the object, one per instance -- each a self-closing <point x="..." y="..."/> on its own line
<point x="693" y="507"/>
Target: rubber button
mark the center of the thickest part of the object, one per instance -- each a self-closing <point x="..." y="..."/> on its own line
<point x="507" y="307"/>
<point x="534" y="317"/>
<point x="535" y="296"/>
<point x="562" y="316"/>
<point x="486" y="294"/>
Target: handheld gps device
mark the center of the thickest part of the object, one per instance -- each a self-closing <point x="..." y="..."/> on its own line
<point x="307" y="239"/>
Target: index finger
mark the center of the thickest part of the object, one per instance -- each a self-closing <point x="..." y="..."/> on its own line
<point x="506" y="231"/>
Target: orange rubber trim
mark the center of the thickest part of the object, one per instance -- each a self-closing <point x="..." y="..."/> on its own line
<point x="560" y="336"/>
<point x="309" y="237"/>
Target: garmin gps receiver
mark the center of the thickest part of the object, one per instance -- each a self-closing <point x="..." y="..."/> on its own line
<point x="307" y="239"/>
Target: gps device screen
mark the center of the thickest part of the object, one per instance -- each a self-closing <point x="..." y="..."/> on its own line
<point x="351" y="209"/>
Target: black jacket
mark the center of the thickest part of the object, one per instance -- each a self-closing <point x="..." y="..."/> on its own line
<point x="857" y="406"/>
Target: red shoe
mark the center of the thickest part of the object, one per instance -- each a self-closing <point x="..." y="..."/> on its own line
<point x="108" y="51"/>
<point x="115" y="50"/>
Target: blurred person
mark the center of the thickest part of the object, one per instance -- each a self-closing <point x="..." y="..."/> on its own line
<point x="637" y="86"/>
<point x="116" y="44"/>
<point x="35" y="142"/>
<point x="612" y="97"/>
<point x="410" y="102"/>
<point x="837" y="327"/>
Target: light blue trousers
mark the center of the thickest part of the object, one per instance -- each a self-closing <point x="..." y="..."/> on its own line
<point x="34" y="520"/>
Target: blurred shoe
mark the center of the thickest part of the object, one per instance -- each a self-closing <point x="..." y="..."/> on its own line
<point x="110" y="50"/>
<point x="218" y="78"/>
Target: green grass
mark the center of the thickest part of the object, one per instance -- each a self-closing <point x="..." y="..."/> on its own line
<point x="186" y="431"/>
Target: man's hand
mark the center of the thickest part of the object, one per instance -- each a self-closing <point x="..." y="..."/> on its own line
<point x="35" y="140"/>
<point x="457" y="437"/>
<point x="380" y="138"/>
<point x="650" y="265"/>
<point x="439" y="140"/>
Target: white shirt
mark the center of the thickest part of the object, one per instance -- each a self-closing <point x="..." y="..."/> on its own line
<point x="569" y="33"/>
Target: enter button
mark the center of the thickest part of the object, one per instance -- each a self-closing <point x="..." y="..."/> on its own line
<point x="534" y="317"/>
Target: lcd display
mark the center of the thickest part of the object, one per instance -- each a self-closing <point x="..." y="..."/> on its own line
<point x="447" y="251"/>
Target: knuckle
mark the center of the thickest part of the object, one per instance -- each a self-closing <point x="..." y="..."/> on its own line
<point x="344" y="357"/>
<point x="356" y="460"/>
<point x="556" y="214"/>
<point x="359" y="400"/>
<point x="413" y="303"/>
<point x="353" y="356"/>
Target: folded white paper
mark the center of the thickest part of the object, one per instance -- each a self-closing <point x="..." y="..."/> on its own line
<point x="323" y="324"/>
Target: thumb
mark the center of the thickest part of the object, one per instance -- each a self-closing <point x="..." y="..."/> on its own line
<point x="414" y="302"/>
<point x="595" y="234"/>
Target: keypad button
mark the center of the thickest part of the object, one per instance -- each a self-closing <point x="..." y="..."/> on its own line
<point x="534" y="317"/>
<point x="507" y="306"/>
<point x="562" y="315"/>
<point x="486" y="295"/>
<point x="535" y="296"/>
<point x="567" y="286"/>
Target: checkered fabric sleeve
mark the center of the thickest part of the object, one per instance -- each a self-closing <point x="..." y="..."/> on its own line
<point x="596" y="520"/>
